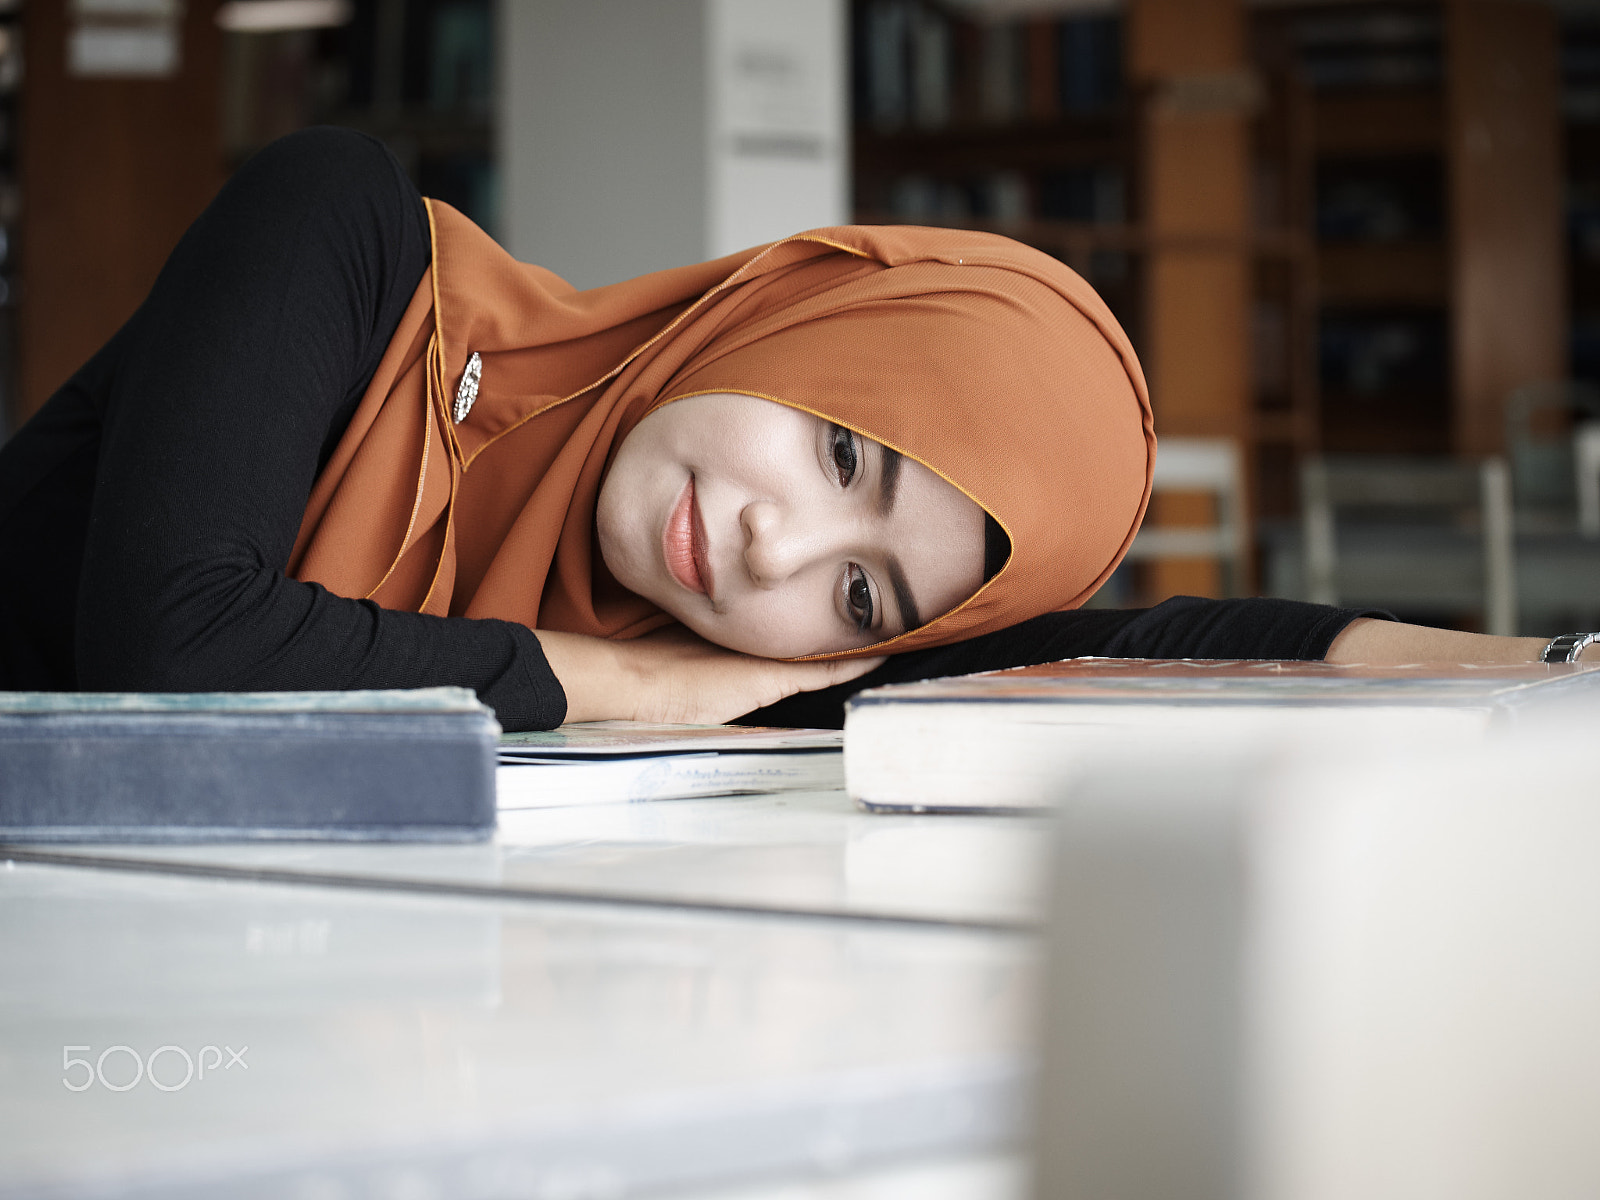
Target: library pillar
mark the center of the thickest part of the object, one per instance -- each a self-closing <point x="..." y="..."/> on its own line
<point x="1189" y="61"/>
<point x="1509" y="310"/>
<point x="636" y="135"/>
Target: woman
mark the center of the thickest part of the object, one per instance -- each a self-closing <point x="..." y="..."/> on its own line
<point x="347" y="442"/>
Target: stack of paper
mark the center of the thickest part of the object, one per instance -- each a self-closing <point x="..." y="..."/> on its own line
<point x="611" y="762"/>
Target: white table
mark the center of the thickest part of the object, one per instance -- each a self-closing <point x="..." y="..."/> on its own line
<point x="420" y="1023"/>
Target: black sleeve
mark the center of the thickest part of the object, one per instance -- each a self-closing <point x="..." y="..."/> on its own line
<point x="227" y="391"/>
<point x="1182" y="627"/>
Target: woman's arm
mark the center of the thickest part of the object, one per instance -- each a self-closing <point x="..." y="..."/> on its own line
<point x="1183" y="627"/>
<point x="1368" y="641"/>
<point x="217" y="404"/>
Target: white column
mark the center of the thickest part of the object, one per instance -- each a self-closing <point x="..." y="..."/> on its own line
<point x="640" y="134"/>
<point x="778" y="118"/>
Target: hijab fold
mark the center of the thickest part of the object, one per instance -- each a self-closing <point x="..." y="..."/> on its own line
<point x="987" y="361"/>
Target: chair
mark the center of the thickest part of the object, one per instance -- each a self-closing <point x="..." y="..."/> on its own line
<point x="1214" y="466"/>
<point x="1404" y="560"/>
<point x="1544" y="428"/>
<point x="1553" y="441"/>
<point x="1586" y="456"/>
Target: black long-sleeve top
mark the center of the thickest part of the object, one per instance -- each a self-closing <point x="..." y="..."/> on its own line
<point x="147" y="511"/>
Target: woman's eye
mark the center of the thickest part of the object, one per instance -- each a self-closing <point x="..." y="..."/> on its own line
<point x="858" y="596"/>
<point x="844" y="453"/>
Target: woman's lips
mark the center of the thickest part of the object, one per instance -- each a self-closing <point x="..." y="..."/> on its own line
<point x="702" y="559"/>
<point x="683" y="543"/>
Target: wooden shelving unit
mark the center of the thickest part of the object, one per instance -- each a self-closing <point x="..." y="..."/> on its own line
<point x="115" y="156"/>
<point x="1287" y="392"/>
<point x="1371" y="149"/>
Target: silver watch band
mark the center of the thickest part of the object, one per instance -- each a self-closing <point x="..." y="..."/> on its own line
<point x="1567" y="647"/>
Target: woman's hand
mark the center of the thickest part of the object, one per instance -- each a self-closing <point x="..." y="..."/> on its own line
<point x="674" y="676"/>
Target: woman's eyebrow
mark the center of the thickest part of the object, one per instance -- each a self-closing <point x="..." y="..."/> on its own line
<point x="909" y="617"/>
<point x="888" y="480"/>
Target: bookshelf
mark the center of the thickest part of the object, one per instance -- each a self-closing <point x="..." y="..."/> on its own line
<point x="417" y="74"/>
<point x="1435" y="178"/>
<point x="1050" y="129"/>
<point x="1404" y="266"/>
<point x="984" y="124"/>
<point x="1373" y="153"/>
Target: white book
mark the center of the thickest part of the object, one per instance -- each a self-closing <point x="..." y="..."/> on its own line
<point x="620" y="762"/>
<point x="1012" y="740"/>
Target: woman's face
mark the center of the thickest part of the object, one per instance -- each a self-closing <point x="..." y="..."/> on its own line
<point x="772" y="531"/>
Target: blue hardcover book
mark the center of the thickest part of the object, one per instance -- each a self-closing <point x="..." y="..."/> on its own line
<point x="414" y="765"/>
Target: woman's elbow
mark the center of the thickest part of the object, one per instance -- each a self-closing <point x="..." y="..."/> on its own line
<point x="124" y="645"/>
<point x="113" y="660"/>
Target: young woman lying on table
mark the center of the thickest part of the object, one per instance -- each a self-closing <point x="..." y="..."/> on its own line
<point x="347" y="442"/>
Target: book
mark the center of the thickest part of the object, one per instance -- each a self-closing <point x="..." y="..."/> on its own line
<point x="1002" y="83"/>
<point x="1042" y="56"/>
<point x="404" y="765"/>
<point x="619" y="762"/>
<point x="1089" y="63"/>
<point x="1011" y="740"/>
<point x="931" y="81"/>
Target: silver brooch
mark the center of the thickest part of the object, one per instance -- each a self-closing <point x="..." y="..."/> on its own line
<point x="467" y="393"/>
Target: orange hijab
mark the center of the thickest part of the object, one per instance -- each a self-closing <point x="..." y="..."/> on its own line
<point x="987" y="361"/>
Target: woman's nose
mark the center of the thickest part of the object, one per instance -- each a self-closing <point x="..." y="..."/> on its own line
<point x="774" y="548"/>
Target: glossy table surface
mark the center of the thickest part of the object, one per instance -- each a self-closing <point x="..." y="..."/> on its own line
<point x="754" y="997"/>
<point x="801" y="851"/>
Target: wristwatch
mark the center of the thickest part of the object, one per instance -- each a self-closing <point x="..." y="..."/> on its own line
<point x="1567" y="647"/>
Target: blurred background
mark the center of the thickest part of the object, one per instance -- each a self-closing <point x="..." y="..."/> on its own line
<point x="1357" y="244"/>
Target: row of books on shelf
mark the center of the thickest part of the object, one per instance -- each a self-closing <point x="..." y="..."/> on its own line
<point x="445" y="55"/>
<point x="1371" y="353"/>
<point x="921" y="67"/>
<point x="1368" y="204"/>
<point x="1371" y="45"/>
<point x="1074" y="194"/>
<point x="441" y="72"/>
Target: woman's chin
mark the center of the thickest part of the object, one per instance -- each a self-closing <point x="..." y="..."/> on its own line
<point x="740" y="640"/>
